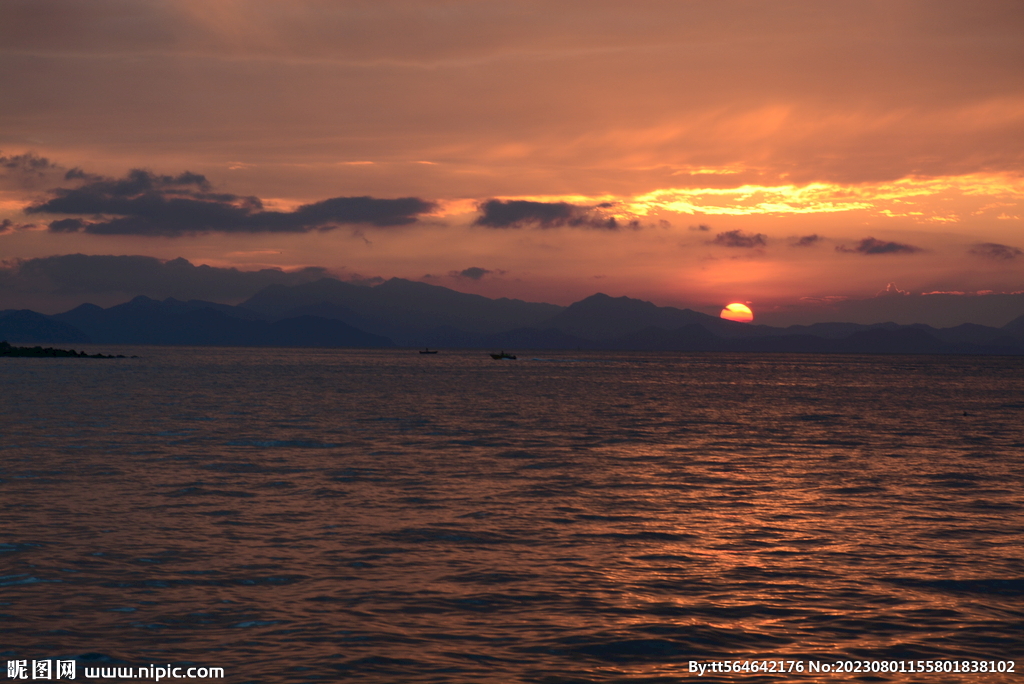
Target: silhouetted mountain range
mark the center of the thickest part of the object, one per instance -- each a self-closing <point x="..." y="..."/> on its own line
<point x="401" y="309"/>
<point x="332" y="313"/>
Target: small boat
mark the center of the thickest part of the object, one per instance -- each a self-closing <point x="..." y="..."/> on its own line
<point x="502" y="356"/>
<point x="428" y="350"/>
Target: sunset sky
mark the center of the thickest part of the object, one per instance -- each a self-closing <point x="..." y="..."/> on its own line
<point x="689" y="152"/>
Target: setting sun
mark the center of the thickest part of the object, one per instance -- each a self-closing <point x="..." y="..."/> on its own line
<point x="737" y="312"/>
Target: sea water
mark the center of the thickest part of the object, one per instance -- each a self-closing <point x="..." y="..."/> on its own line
<point x="387" y="516"/>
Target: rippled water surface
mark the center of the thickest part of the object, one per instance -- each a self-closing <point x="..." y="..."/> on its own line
<point x="324" y="515"/>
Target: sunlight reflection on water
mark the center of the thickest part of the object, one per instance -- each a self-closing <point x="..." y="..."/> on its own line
<point x="296" y="515"/>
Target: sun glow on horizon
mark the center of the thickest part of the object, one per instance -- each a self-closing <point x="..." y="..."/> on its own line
<point x="740" y="313"/>
<point x="910" y="197"/>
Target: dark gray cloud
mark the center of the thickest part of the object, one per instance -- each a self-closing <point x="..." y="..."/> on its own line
<point x="807" y="240"/>
<point x="996" y="251"/>
<point x="473" y="273"/>
<point x="870" y="245"/>
<point x="74" y="278"/>
<point x="27" y="163"/>
<point x="737" y="238"/>
<point x="28" y="170"/>
<point x="523" y="213"/>
<point x="8" y="226"/>
<point x="143" y="203"/>
<point x="703" y="227"/>
<point x="71" y="225"/>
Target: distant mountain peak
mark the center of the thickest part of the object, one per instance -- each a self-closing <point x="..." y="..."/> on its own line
<point x="601" y="316"/>
<point x="1016" y="325"/>
<point x="602" y="300"/>
<point x="85" y="308"/>
<point x="141" y="302"/>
